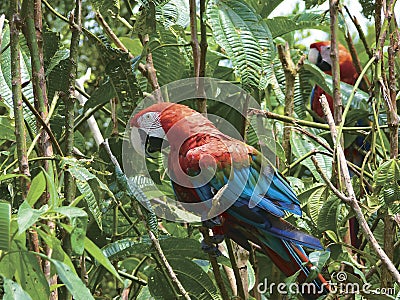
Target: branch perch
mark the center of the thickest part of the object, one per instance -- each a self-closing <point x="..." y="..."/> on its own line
<point x="351" y="198"/>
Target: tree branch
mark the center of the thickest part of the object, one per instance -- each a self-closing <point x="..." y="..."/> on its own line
<point x="70" y="99"/>
<point x="337" y="99"/>
<point x="215" y="265"/>
<point x="20" y="133"/>
<point x="290" y="71"/>
<point x="352" y="201"/>
<point x="294" y="121"/>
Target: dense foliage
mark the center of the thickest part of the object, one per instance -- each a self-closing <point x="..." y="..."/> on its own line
<point x="69" y="222"/>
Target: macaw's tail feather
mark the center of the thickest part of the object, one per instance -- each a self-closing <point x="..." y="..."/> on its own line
<point x="286" y="254"/>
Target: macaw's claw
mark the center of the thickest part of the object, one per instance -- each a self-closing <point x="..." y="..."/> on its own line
<point x="211" y="223"/>
<point x="210" y="249"/>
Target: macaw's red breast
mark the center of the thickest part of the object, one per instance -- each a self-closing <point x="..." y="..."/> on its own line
<point x="316" y="105"/>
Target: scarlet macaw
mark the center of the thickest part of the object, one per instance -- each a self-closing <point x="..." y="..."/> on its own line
<point x="261" y="196"/>
<point x="320" y="56"/>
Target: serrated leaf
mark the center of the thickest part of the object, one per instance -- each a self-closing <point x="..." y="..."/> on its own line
<point x="388" y="172"/>
<point x="301" y="145"/>
<point x="193" y="278"/>
<point x="360" y="100"/>
<point x="165" y="58"/>
<point x="315" y="202"/>
<point x="246" y="39"/>
<point x="306" y="20"/>
<point x="119" y="70"/>
<point x="100" y="96"/>
<point x="328" y="216"/>
<point x="5" y="77"/>
<point x="174" y="12"/>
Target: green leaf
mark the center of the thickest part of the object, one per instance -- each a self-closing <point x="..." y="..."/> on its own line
<point x="360" y="100"/>
<point x="147" y="3"/>
<point x="27" y="275"/>
<point x="52" y="187"/>
<point x="165" y="58"/>
<point x="57" y="73"/>
<point x="5" y="77"/>
<point x="97" y="253"/>
<point x="246" y="39"/>
<point x="60" y="55"/>
<point x="329" y="215"/>
<point x="133" y="44"/>
<point x="388" y="172"/>
<point x="100" y="96"/>
<point x="38" y="186"/>
<point x="306" y="20"/>
<point x="106" y="7"/>
<point x="315" y="202"/>
<point x="78" y="220"/>
<point x="319" y="258"/>
<point x="27" y="216"/>
<point x="6" y="129"/>
<point x="265" y="8"/>
<point x="9" y="176"/>
<point x="158" y="286"/>
<point x="13" y="291"/>
<point x="144" y="294"/>
<point x="118" y="68"/>
<point x="5" y="223"/>
<point x="301" y="145"/>
<point x="174" y="12"/>
<point x="58" y="252"/>
<point x="196" y="282"/>
<point x="90" y="186"/>
<point x="73" y="283"/>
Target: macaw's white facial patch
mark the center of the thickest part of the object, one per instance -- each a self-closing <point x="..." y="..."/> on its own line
<point x="313" y="56"/>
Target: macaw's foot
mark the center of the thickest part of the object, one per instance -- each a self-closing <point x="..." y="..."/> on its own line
<point x="216" y="221"/>
<point x="210" y="249"/>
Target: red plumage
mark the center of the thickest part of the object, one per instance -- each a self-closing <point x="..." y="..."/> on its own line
<point x="348" y="74"/>
<point x="195" y="146"/>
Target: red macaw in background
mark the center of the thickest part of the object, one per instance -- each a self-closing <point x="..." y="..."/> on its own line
<point x="320" y="56"/>
<point x="261" y="196"/>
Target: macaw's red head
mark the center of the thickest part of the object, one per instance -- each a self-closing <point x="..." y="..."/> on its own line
<point x="163" y="124"/>
<point x="320" y="55"/>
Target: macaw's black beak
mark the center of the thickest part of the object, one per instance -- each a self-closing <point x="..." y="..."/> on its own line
<point x="315" y="57"/>
<point x="151" y="143"/>
<point x="322" y="64"/>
